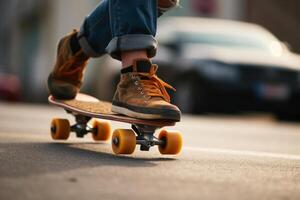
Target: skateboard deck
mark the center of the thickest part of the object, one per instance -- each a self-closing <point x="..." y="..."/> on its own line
<point x="85" y="107"/>
<point x="92" y="107"/>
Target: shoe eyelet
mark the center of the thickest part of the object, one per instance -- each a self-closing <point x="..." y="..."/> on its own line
<point x="136" y="83"/>
<point x="142" y="93"/>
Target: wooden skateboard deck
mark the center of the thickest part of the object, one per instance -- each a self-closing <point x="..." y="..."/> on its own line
<point x="90" y="106"/>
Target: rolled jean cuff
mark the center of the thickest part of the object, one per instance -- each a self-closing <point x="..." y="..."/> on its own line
<point x="85" y="45"/>
<point x="130" y="43"/>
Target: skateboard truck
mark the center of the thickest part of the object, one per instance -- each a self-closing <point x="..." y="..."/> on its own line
<point x="145" y="134"/>
<point x="81" y="127"/>
<point x="145" y="137"/>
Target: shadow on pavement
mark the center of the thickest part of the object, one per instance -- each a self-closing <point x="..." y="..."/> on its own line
<point x="25" y="159"/>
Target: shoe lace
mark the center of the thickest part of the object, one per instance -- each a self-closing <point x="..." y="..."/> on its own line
<point x="154" y="86"/>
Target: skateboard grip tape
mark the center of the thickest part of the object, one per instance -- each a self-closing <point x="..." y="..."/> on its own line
<point x="93" y="107"/>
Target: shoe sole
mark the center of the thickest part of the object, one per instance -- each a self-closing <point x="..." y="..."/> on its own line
<point x="131" y="113"/>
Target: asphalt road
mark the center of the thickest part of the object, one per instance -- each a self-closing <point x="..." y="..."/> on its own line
<point x="248" y="157"/>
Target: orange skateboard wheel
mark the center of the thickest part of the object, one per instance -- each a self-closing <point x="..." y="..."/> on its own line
<point x="102" y="130"/>
<point x="173" y="142"/>
<point x="123" y="141"/>
<point x="60" y="129"/>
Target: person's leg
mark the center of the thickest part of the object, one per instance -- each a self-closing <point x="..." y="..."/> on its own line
<point x="65" y="79"/>
<point x="91" y="41"/>
<point x="133" y="26"/>
<point x="128" y="57"/>
<point x="140" y="93"/>
<point x="74" y="50"/>
<point x="95" y="32"/>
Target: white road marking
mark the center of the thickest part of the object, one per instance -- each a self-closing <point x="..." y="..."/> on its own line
<point x="188" y="148"/>
<point x="244" y="153"/>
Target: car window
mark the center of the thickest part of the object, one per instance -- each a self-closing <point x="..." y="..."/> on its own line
<point x="223" y="40"/>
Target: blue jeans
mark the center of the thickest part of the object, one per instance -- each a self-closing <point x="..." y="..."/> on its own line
<point x="120" y="25"/>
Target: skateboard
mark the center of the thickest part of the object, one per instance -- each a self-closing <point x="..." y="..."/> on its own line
<point x="87" y="111"/>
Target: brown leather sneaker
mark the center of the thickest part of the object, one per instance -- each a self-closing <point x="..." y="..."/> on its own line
<point x="141" y="94"/>
<point x="65" y="80"/>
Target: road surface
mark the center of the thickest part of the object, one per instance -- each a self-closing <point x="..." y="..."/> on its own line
<point x="224" y="157"/>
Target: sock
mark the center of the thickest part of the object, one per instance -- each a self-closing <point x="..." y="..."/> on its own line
<point x="143" y="66"/>
<point x="74" y="43"/>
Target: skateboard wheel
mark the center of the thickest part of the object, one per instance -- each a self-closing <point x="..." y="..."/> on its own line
<point x="123" y="141"/>
<point x="60" y="129"/>
<point x="102" y="130"/>
<point x="173" y="142"/>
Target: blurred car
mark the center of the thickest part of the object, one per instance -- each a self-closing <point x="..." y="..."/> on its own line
<point x="9" y="87"/>
<point x="228" y="66"/>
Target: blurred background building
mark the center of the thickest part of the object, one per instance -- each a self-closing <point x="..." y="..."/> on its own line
<point x="30" y="29"/>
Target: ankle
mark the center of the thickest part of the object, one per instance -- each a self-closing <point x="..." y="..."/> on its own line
<point x="129" y="57"/>
<point x="74" y="44"/>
